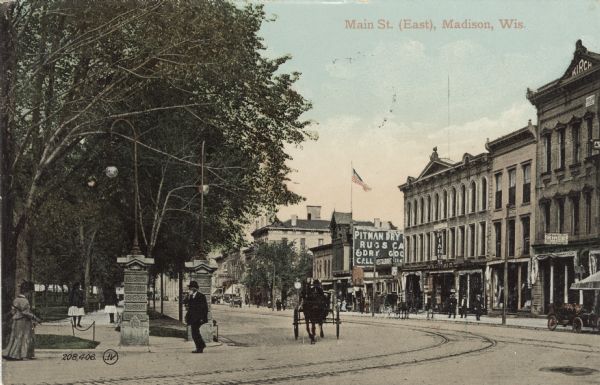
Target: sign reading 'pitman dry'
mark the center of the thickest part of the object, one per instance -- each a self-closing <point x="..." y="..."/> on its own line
<point x="370" y="243"/>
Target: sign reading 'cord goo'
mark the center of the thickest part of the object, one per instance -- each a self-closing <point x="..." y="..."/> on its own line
<point x="370" y="243"/>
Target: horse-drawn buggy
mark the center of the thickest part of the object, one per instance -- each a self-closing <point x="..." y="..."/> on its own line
<point x="574" y="314"/>
<point x="316" y="308"/>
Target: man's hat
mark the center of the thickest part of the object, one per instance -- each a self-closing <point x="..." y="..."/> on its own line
<point x="316" y="282"/>
<point x="193" y="284"/>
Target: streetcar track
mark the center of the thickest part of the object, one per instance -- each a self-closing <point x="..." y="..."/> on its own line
<point x="444" y="339"/>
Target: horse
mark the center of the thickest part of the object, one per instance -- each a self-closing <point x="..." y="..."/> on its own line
<point x="315" y="307"/>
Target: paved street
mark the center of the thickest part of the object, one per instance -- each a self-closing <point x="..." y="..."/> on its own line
<point x="258" y="348"/>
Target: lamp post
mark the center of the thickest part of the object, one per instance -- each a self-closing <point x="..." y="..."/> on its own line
<point x="135" y="326"/>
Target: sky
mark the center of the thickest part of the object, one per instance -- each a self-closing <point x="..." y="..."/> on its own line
<point x="380" y="96"/>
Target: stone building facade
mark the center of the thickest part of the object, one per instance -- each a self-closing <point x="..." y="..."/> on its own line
<point x="445" y="231"/>
<point x="567" y="236"/>
<point x="512" y="219"/>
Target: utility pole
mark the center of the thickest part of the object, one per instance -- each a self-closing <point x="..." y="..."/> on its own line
<point x="374" y="286"/>
<point x="202" y="203"/>
<point x="505" y="296"/>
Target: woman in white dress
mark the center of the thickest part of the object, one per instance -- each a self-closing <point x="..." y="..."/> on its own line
<point x="76" y="304"/>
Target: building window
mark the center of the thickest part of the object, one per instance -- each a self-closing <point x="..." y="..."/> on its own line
<point x="548" y="153"/>
<point x="472" y="240"/>
<point x="415" y="212"/>
<point x="575" y="214"/>
<point x="561" y="148"/>
<point x="473" y="197"/>
<point x="415" y="245"/>
<point x="512" y="187"/>
<point x="408" y="214"/>
<point x="436" y="207"/>
<point x="484" y="197"/>
<point x="526" y="231"/>
<point x="498" y="235"/>
<point x="498" y="180"/>
<point x="576" y="142"/>
<point x="453" y="207"/>
<point x="511" y="238"/>
<point x="461" y="245"/>
<point x="463" y="199"/>
<point x="320" y="242"/>
<point x="547" y="216"/>
<point x="561" y="215"/>
<point x="428" y="208"/>
<point x="445" y="205"/>
<point x="527" y="183"/>
<point x="422" y="211"/>
<point x="451" y="247"/>
<point x="590" y="136"/>
<point x="482" y="235"/>
<point x="588" y="212"/>
<point x="408" y="250"/>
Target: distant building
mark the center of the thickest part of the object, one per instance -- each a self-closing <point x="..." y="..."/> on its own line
<point x="304" y="233"/>
<point x="567" y="236"/>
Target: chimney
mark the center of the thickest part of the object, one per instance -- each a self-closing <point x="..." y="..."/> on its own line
<point x="377" y="223"/>
<point x="294" y="220"/>
<point x="313" y="212"/>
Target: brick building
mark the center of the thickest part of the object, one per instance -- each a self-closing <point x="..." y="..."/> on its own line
<point x="567" y="236"/>
<point x="512" y="219"/>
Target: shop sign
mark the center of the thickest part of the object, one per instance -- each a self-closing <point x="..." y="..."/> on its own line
<point x="596" y="144"/>
<point x="394" y="270"/>
<point x="556" y="239"/>
<point x="581" y="67"/>
<point x="371" y="243"/>
<point x="590" y="100"/>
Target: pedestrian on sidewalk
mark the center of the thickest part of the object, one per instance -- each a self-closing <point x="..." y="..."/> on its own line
<point x="477" y="306"/>
<point x="110" y="302"/>
<point x="76" y="304"/>
<point x="452" y="306"/>
<point x="197" y="314"/>
<point x="463" y="307"/>
<point x="21" y="342"/>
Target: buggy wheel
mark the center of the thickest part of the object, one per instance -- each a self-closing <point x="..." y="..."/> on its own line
<point x="552" y="322"/>
<point x="598" y="324"/>
<point x="577" y="324"/>
<point x="337" y="323"/>
<point x="296" y="321"/>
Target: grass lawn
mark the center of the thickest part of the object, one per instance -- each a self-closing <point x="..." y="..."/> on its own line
<point x="53" y="341"/>
<point x="53" y="313"/>
<point x="165" y="326"/>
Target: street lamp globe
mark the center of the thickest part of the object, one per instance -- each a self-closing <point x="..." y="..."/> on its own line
<point x="297" y="284"/>
<point x="111" y="171"/>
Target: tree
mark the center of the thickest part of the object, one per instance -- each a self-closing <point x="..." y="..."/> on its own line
<point x="181" y="73"/>
<point x="276" y="266"/>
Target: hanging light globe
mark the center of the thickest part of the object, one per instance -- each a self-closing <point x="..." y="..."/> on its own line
<point x="111" y="171"/>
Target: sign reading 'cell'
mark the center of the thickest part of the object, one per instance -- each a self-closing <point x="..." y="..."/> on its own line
<point x="374" y="244"/>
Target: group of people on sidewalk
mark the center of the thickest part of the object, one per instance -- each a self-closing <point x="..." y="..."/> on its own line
<point x="463" y="309"/>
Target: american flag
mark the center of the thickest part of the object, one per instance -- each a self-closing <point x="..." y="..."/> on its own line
<point x="358" y="180"/>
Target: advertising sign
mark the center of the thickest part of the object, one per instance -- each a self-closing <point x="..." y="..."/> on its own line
<point x="596" y="144"/>
<point x="370" y="244"/>
<point x="556" y="239"/>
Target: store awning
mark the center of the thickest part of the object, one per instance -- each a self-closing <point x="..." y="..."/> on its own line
<point x="590" y="283"/>
<point x="232" y="290"/>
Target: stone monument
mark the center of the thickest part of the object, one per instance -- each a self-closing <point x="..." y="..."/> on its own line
<point x="201" y="271"/>
<point x="135" y="323"/>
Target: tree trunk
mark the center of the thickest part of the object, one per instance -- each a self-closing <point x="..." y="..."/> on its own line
<point x="7" y="246"/>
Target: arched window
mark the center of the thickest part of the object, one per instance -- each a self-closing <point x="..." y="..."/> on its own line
<point x="422" y="213"/>
<point x="436" y="207"/>
<point x="445" y="205"/>
<point x="463" y="199"/>
<point x="428" y="208"/>
<point x="408" y="250"/>
<point x="408" y="214"/>
<point x="484" y="197"/>
<point x="473" y="197"/>
<point x="453" y="205"/>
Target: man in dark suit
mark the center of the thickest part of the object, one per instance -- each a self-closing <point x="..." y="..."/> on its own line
<point x="197" y="314"/>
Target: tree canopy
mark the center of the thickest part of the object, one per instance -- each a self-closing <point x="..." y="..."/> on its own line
<point x="86" y="79"/>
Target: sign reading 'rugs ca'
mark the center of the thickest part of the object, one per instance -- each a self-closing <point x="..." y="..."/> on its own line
<point x="370" y="244"/>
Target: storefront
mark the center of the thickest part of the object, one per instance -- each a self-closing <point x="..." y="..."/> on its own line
<point x="518" y="286"/>
<point x="441" y="285"/>
<point x="470" y="283"/>
<point x="412" y="290"/>
<point x="555" y="272"/>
